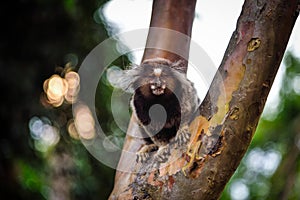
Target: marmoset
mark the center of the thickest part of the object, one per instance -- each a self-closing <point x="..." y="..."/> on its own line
<point x="164" y="102"/>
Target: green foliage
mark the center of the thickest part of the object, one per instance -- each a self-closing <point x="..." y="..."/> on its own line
<point x="30" y="177"/>
<point x="38" y="38"/>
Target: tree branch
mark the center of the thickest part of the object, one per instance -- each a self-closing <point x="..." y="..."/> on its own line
<point x="229" y="113"/>
<point x="172" y="15"/>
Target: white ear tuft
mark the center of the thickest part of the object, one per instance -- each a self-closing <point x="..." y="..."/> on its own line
<point x="122" y="79"/>
<point x="179" y="66"/>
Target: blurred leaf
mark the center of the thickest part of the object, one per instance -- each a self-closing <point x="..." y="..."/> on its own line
<point x="29" y="177"/>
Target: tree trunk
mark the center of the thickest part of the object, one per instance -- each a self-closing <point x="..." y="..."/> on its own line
<point x="229" y="113"/>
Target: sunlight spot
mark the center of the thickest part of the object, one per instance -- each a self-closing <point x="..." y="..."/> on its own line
<point x="84" y="122"/>
<point x="58" y="89"/>
<point x="36" y="127"/>
<point x="72" y="130"/>
<point x="264" y="162"/>
<point x="272" y="160"/>
<point x="55" y="88"/>
<point x="296" y="84"/>
<point x="73" y="81"/>
<point x="44" y="134"/>
<point x="50" y="135"/>
<point x="239" y="190"/>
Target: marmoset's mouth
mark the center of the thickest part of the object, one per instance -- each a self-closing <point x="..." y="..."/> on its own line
<point x="158" y="90"/>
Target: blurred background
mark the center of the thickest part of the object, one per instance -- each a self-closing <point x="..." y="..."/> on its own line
<point x="42" y="45"/>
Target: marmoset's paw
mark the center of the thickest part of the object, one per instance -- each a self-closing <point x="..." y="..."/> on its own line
<point x="162" y="154"/>
<point x="183" y="135"/>
<point x="144" y="153"/>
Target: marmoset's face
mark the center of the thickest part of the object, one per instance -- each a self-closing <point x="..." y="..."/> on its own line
<point x="157" y="81"/>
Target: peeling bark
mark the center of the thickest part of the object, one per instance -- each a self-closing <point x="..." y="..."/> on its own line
<point x="229" y="113"/>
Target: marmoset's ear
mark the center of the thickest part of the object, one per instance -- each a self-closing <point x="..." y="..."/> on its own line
<point x="179" y="66"/>
<point x="122" y="79"/>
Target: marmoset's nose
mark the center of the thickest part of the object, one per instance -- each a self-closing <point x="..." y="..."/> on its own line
<point x="157" y="82"/>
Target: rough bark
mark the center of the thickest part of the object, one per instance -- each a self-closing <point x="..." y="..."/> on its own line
<point x="229" y="113"/>
<point x="172" y="15"/>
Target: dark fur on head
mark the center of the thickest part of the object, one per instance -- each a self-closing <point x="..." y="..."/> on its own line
<point x="160" y="81"/>
<point x="144" y="98"/>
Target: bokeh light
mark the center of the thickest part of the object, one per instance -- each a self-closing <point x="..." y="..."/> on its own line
<point x="59" y="90"/>
<point x="73" y="81"/>
<point x="55" y="88"/>
<point x="84" y="122"/>
<point x="72" y="129"/>
<point x="36" y="127"/>
<point x="44" y="134"/>
<point x="239" y="190"/>
<point x="264" y="162"/>
<point x="296" y="84"/>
